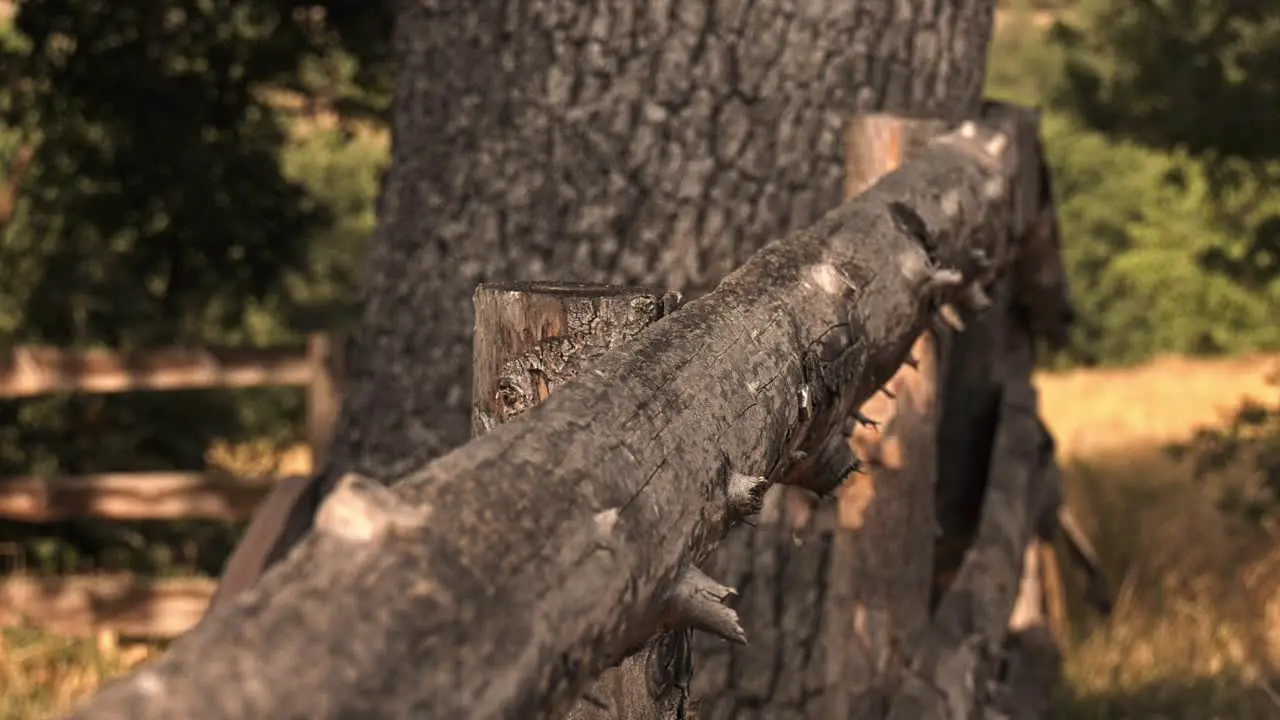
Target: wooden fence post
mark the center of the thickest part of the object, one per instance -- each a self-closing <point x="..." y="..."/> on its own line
<point x="324" y="393"/>
<point x="530" y="338"/>
<point x="533" y="336"/>
<point x="881" y="577"/>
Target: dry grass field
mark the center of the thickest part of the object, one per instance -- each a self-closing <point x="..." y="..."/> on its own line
<point x="1196" y="630"/>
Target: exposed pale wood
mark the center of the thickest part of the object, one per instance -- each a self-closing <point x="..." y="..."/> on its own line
<point x="554" y="540"/>
<point x="1029" y="605"/>
<point x="131" y="496"/>
<point x="1057" y="620"/>
<point x="531" y="338"/>
<point x="324" y="394"/>
<point x="28" y="371"/>
<point x="881" y="570"/>
<point x="876" y="144"/>
<point x="122" y="604"/>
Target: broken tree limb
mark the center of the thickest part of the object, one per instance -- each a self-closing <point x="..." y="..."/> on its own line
<point x="510" y="600"/>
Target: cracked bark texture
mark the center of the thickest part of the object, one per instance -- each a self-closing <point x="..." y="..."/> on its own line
<point x="657" y="144"/>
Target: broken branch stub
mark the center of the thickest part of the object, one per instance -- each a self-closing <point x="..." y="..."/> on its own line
<point x="508" y="604"/>
<point x="697" y="602"/>
<point x="359" y="510"/>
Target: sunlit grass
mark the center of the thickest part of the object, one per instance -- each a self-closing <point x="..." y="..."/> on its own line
<point x="1194" y="634"/>
<point x="42" y="674"/>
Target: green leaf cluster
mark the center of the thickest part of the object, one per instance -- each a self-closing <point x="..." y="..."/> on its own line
<point x="1164" y="179"/>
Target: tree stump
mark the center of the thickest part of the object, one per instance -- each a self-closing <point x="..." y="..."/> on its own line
<point x="531" y="337"/>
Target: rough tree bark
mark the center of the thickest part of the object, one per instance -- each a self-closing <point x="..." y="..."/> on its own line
<point x="826" y="618"/>
<point x="655" y="144"/>
<point x="498" y="580"/>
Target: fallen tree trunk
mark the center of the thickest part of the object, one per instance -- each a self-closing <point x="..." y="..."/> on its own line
<point x="500" y="579"/>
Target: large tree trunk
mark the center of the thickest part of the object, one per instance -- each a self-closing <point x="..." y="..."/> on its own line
<point x="633" y="143"/>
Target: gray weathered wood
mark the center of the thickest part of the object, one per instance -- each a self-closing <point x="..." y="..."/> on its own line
<point x="500" y="579"/>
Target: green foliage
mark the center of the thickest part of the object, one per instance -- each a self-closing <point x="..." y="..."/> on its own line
<point x="1252" y="437"/>
<point x="1171" y="241"/>
<point x="182" y="190"/>
<point x="156" y="209"/>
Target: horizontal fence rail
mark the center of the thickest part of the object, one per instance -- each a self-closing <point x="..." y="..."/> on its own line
<point x="132" y="496"/>
<point x="31" y="371"/>
<point x="119" y="603"/>
<point x="518" y="567"/>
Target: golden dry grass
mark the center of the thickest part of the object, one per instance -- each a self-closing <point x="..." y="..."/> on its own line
<point x="1190" y="638"/>
<point x="1192" y="633"/>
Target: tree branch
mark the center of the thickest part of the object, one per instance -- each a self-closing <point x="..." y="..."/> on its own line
<point x="486" y="585"/>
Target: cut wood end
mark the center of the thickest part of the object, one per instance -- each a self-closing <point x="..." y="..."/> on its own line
<point x="697" y="602"/>
<point x="745" y="494"/>
<point x="361" y="510"/>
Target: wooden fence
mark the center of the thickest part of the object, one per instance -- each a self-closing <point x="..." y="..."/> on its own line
<point x="122" y="603"/>
<point x="506" y="577"/>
